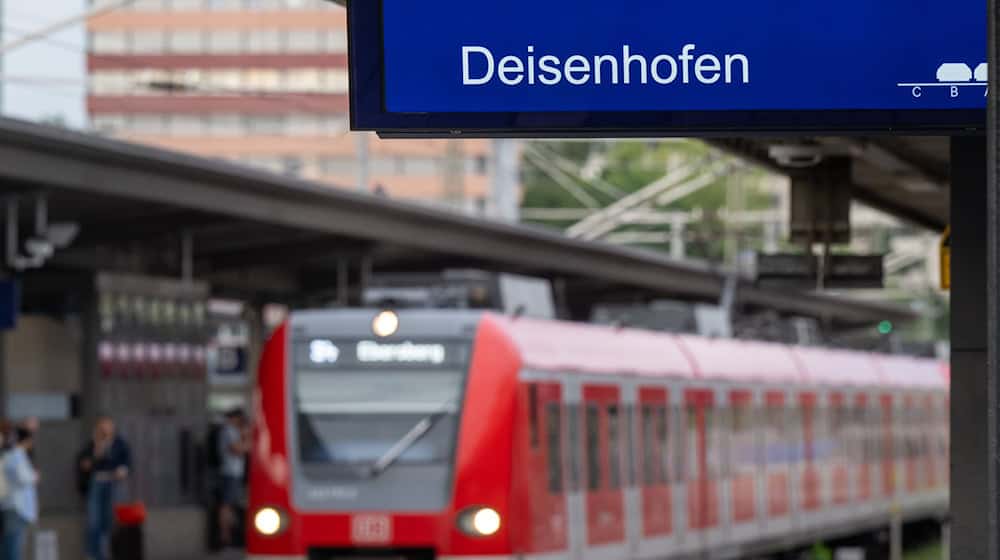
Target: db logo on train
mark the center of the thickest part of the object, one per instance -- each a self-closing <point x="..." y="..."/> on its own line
<point x="371" y="529"/>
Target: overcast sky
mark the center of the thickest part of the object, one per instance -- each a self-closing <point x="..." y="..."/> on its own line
<point x="45" y="79"/>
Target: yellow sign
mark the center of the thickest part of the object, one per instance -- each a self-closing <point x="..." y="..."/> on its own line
<point x="945" y="261"/>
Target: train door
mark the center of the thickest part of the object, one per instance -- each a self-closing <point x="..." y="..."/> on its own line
<point x="777" y="458"/>
<point x="743" y="465"/>
<point x="656" y="473"/>
<point x="945" y="447"/>
<point x="886" y="424"/>
<point x="864" y="458"/>
<point x="546" y="479"/>
<point x="942" y="443"/>
<point x="838" y="413"/>
<point x="688" y="542"/>
<point x="909" y="434"/>
<point x="576" y="493"/>
<point x="928" y="435"/>
<point x="605" y="507"/>
<point x="810" y="478"/>
<point x="633" y="513"/>
<point x="704" y="465"/>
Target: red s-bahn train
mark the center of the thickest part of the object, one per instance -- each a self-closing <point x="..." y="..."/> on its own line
<point x="449" y="434"/>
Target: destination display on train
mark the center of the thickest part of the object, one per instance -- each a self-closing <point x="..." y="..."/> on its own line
<point x="578" y="63"/>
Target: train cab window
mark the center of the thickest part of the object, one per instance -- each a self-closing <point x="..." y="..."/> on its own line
<point x="663" y="440"/>
<point x="614" y="447"/>
<point x="533" y="415"/>
<point x="344" y="422"/>
<point x="553" y="438"/>
<point x="573" y="411"/>
<point x="593" y="447"/>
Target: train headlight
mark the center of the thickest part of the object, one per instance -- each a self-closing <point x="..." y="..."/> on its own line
<point x="385" y="324"/>
<point x="479" y="521"/>
<point x="268" y="521"/>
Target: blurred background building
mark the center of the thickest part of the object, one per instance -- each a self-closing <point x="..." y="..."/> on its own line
<point x="264" y="83"/>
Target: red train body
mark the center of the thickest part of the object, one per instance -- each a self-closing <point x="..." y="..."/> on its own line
<point x="586" y="442"/>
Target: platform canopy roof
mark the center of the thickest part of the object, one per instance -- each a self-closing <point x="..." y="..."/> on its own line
<point x="271" y="237"/>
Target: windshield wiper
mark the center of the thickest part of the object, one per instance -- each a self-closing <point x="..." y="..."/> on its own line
<point x="404" y="443"/>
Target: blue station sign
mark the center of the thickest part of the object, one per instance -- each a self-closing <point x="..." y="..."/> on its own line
<point x="566" y="67"/>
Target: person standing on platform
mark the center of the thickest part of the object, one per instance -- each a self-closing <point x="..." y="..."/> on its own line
<point x="32" y="424"/>
<point x="104" y="464"/>
<point x="21" y="505"/>
<point x="234" y="445"/>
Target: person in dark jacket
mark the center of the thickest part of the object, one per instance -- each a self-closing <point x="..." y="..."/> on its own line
<point x="103" y="464"/>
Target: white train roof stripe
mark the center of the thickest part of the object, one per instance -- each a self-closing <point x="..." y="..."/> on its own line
<point x="582" y="348"/>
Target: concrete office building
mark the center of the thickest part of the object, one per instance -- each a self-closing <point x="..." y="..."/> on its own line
<point x="262" y="82"/>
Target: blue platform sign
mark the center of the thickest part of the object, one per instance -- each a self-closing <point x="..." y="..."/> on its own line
<point x="560" y="67"/>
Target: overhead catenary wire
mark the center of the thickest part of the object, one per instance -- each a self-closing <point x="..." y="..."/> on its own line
<point x="566" y="166"/>
<point x="48" y="30"/>
<point x="563" y="180"/>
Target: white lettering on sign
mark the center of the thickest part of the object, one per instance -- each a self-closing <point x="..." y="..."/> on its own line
<point x="371" y="351"/>
<point x="323" y="352"/>
<point x="480" y="66"/>
<point x="333" y="493"/>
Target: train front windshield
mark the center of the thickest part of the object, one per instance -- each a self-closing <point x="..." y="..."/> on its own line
<point x="365" y="410"/>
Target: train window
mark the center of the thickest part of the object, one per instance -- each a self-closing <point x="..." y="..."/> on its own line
<point x="820" y="450"/>
<point x="649" y="474"/>
<point x="742" y="449"/>
<point x="777" y="434"/>
<point x="794" y="434"/>
<point x="680" y="445"/>
<point x="593" y="447"/>
<point x="691" y="448"/>
<point x="837" y="423"/>
<point x="663" y="441"/>
<point x="714" y="430"/>
<point x="858" y="423"/>
<point x="927" y="429"/>
<point x="944" y="430"/>
<point x="533" y="415"/>
<point x="906" y="436"/>
<point x="553" y="436"/>
<point x="630" y="444"/>
<point x="877" y="433"/>
<point x="573" y="411"/>
<point x="614" y="447"/>
<point x="808" y="415"/>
